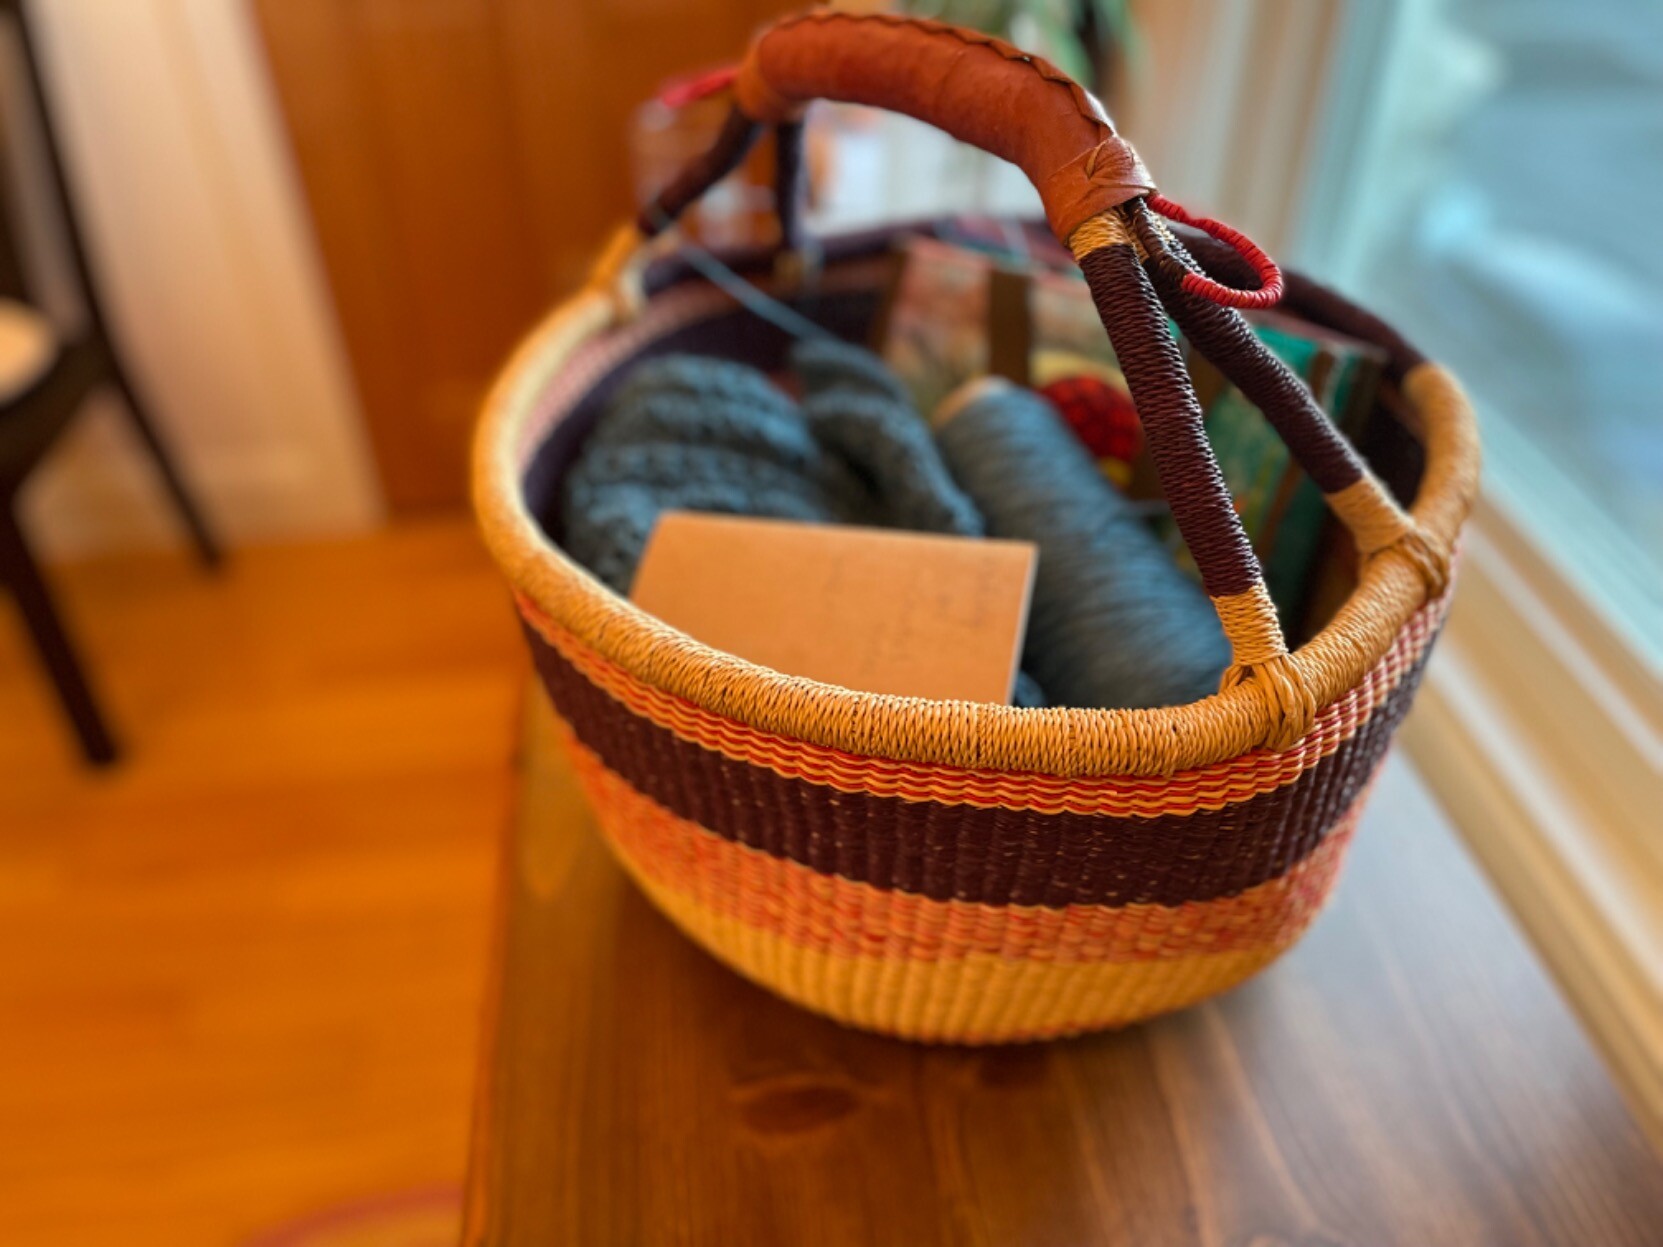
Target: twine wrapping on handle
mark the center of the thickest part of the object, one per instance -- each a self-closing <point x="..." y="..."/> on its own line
<point x="1222" y="335"/>
<point x="1259" y="658"/>
<point x="1108" y="253"/>
<point x="1113" y="621"/>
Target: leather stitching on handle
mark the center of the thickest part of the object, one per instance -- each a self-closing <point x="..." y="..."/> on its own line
<point x="1084" y="101"/>
<point x="1074" y="184"/>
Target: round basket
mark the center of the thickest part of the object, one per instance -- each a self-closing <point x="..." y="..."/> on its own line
<point x="970" y="872"/>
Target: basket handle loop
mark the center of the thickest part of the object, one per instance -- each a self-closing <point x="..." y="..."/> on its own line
<point x="1359" y="499"/>
<point x="975" y="87"/>
<point x="1093" y="186"/>
<point x="1108" y="255"/>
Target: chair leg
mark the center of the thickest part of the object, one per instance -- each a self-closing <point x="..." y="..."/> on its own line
<point x="207" y="548"/>
<point x="19" y="571"/>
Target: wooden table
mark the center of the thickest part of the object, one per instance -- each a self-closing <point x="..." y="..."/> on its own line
<point x="1406" y="1076"/>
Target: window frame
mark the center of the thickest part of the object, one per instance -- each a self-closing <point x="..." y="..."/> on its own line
<point x="1539" y="724"/>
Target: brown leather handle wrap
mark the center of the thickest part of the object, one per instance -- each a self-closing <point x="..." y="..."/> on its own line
<point x="973" y="86"/>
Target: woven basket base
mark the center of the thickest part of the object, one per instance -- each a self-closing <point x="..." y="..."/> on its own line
<point x="913" y="989"/>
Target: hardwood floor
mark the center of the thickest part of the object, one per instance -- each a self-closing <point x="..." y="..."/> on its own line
<point x="240" y="975"/>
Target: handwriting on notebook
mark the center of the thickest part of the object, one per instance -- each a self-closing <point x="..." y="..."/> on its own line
<point x="870" y="609"/>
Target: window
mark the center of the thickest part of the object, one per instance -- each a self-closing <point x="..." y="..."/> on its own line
<point x="1489" y="176"/>
<point x="1492" y="178"/>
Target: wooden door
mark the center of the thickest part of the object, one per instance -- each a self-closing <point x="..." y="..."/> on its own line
<point x="463" y="159"/>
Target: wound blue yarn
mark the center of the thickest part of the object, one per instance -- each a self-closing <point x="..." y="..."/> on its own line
<point x="694" y="433"/>
<point x="1113" y="621"/>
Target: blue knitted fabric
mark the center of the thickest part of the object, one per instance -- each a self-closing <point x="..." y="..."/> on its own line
<point x="693" y="433"/>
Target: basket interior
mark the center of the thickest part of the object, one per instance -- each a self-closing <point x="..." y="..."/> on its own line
<point x="850" y="297"/>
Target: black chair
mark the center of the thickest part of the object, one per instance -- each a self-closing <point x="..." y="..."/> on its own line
<point x="45" y="376"/>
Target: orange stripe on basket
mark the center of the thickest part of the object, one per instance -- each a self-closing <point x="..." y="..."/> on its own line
<point x="1205" y="788"/>
<point x="831" y="914"/>
<point x="975" y="999"/>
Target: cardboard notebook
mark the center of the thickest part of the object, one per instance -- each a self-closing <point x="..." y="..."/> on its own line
<point x="876" y="610"/>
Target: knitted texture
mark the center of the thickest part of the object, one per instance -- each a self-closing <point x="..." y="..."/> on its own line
<point x="694" y="433"/>
<point x="863" y="416"/>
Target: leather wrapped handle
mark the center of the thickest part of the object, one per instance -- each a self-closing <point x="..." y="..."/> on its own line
<point x="1095" y="191"/>
<point x="977" y="88"/>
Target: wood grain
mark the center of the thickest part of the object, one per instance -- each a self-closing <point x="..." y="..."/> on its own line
<point x="240" y="975"/>
<point x="464" y="160"/>
<point x="1407" y="1076"/>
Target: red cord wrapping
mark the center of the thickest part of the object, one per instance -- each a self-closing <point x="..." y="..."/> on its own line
<point x="1270" y="277"/>
<point x="683" y="91"/>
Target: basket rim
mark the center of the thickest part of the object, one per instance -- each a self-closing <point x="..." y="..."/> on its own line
<point x="1066" y="741"/>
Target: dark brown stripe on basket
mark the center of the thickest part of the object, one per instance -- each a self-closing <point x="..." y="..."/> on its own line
<point x="1307" y="298"/>
<point x="1223" y="335"/>
<point x="991" y="856"/>
<point x="1171" y="416"/>
<point x="732" y="144"/>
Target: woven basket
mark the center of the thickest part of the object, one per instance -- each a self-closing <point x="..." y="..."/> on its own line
<point x="966" y="872"/>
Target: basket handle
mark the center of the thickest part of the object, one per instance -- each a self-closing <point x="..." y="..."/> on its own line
<point x="977" y="88"/>
<point x="1362" y="502"/>
<point x="1094" y="189"/>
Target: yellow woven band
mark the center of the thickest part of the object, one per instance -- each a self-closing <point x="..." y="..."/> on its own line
<point x="1378" y="524"/>
<point x="1251" y="626"/>
<point x="1106" y="229"/>
<point x="1260" y="659"/>
<point x="1364" y="507"/>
